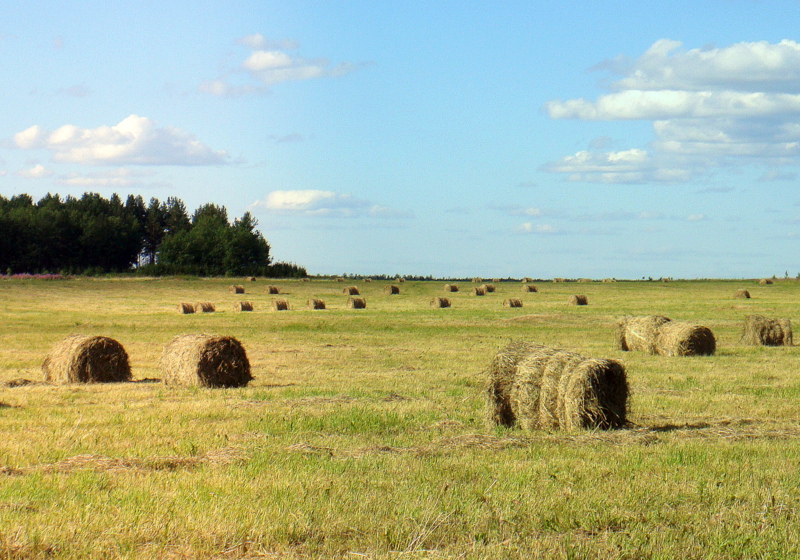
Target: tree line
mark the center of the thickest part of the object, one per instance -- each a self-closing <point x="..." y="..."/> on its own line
<point x="94" y="235"/>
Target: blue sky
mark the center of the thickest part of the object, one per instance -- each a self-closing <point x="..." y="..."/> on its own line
<point x="574" y="139"/>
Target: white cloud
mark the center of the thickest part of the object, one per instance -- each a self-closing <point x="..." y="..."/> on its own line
<point x="322" y="203"/>
<point x="36" y="172"/>
<point x="696" y="218"/>
<point x="134" y="141"/>
<point x="543" y="229"/>
<point x="117" y="178"/>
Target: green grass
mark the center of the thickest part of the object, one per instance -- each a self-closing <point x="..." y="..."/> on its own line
<point x="363" y="433"/>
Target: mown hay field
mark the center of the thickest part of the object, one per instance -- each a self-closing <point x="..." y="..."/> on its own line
<point x="363" y="433"/>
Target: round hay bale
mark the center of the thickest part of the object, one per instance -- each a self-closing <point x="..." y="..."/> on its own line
<point x="536" y="387"/>
<point x="765" y="282"/>
<point x="496" y="280"/>
<point x="243" y="306"/>
<point x="676" y="338"/>
<point x="366" y="280"/>
<point x="86" y="359"/>
<point x="479" y="291"/>
<point x="280" y="305"/>
<point x="488" y="288"/>
<point x="251" y="278"/>
<point x="340" y="279"/>
<point x="236" y="289"/>
<point x="440" y="302"/>
<point x="512" y="302"/>
<point x="741" y="293"/>
<point x="356" y="303"/>
<point x="578" y="300"/>
<point x="391" y="289"/>
<point x="526" y="279"/>
<point x="401" y="279"/>
<point x="351" y="291"/>
<point x="451" y="287"/>
<point x="763" y="331"/>
<point x="477" y="280"/>
<point x="185" y="308"/>
<point x="558" y="280"/>
<point x="315" y="303"/>
<point x="306" y="279"/>
<point x="273" y="290"/>
<point x="639" y="333"/>
<point x="584" y="280"/>
<point x="528" y="288"/>
<point x="205" y="307"/>
<point x="203" y="360"/>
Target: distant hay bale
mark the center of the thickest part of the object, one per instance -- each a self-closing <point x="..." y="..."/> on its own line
<point x="315" y="303"/>
<point x="243" y="306"/>
<point x="479" y="291"/>
<point x="578" y="300"/>
<point x="765" y="281"/>
<point x="558" y="280"/>
<point x="236" y="289"/>
<point x="677" y="338"/>
<point x="205" y="307"/>
<point x="340" y="279"/>
<point x="763" y="331"/>
<point x="86" y="359"/>
<point x="356" y="303"/>
<point x="400" y="279"/>
<point x="527" y="279"/>
<point x="496" y="280"/>
<point x="741" y="293"/>
<point x="585" y="280"/>
<point x="608" y="280"/>
<point x="391" y="289"/>
<point x="488" y="288"/>
<point x="440" y="302"/>
<point x="206" y="361"/>
<point x="280" y="305"/>
<point x="528" y="288"/>
<point x="451" y="287"/>
<point x="512" y="302"/>
<point x="536" y="387"/>
<point x="273" y="290"/>
<point x="185" y="308"/>
<point x="306" y="279"/>
<point x="638" y="333"/>
<point x="477" y="280"/>
<point x="351" y="291"/>
<point x="251" y="278"/>
<point x="367" y="280"/>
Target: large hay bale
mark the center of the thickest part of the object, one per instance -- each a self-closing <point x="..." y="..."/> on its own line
<point x="479" y="291"/>
<point x="272" y="290"/>
<point x="639" y="333"/>
<point x="578" y="300"/>
<point x="391" y="289"/>
<point x="351" y="291"/>
<point x="440" y="302"/>
<point x="536" y="387"/>
<point x="236" y="289"/>
<point x="205" y="307"/>
<point x="741" y="293"/>
<point x="185" y="308"/>
<point x="528" y="288"/>
<point x="451" y="287"/>
<point x="512" y="302"/>
<point x="763" y="331"/>
<point x="86" y="359"/>
<point x="243" y="306"/>
<point x="280" y="304"/>
<point x="676" y="338"/>
<point x="315" y="303"/>
<point x="356" y="303"/>
<point x="765" y="281"/>
<point x="206" y="361"/>
<point x="488" y="288"/>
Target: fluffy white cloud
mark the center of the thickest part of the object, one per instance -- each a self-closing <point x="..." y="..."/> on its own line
<point x="36" y="172"/>
<point x="134" y="141"/>
<point x="116" y="178"/>
<point x="322" y="203"/>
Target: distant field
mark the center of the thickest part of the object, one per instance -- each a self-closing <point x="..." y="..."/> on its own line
<point x="363" y="434"/>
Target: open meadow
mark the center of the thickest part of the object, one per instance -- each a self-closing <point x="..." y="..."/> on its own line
<point x="363" y="433"/>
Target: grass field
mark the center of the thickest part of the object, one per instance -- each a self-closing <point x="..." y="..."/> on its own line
<point x="363" y="434"/>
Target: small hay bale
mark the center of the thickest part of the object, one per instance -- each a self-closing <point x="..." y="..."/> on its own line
<point x="340" y="279"/>
<point x="763" y="331"/>
<point x="315" y="303"/>
<point x="206" y="361"/>
<point x="273" y="290"/>
<point x="280" y="305"/>
<point x="356" y="303"/>
<point x="638" y="333"/>
<point x="306" y="279"/>
<point x="676" y="338"/>
<point x="496" y="280"/>
<point x="243" y="306"/>
<point x="512" y="302"/>
<point x="251" y="278"/>
<point x="440" y="302"/>
<point x="451" y="287"/>
<point x="351" y="291"/>
<point x="741" y="293"/>
<point x="488" y="288"/>
<point x="584" y="280"/>
<point x="205" y="307"/>
<point x="558" y="280"/>
<point x="236" y="289"/>
<point x="527" y="279"/>
<point x="477" y="280"/>
<point x="366" y="280"/>
<point x="578" y="300"/>
<point x="765" y="281"/>
<point x="528" y="288"/>
<point x="536" y="387"/>
<point x="185" y="308"/>
<point x="401" y="279"/>
<point x="86" y="359"/>
<point x="479" y="291"/>
<point x="391" y="289"/>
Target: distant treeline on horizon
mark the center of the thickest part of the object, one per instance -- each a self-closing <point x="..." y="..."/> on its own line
<point x="94" y="235"/>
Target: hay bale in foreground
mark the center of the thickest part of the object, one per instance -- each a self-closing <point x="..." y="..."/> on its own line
<point x="280" y="304"/>
<point x="185" y="308"/>
<point x="677" y="338"/>
<point x="86" y="359"/>
<point x="315" y="303"/>
<point x="638" y="333"/>
<point x="741" y="293"/>
<point x="205" y="307"/>
<point x="512" y="302"/>
<point x="440" y="302"/>
<point x="273" y="290"/>
<point x="356" y="303"/>
<point x="528" y="289"/>
<point x="536" y="387"/>
<point x="351" y="291"/>
<point x="451" y="287"/>
<point x="391" y="289"/>
<point x="578" y="300"/>
<point x="206" y="361"/>
<point x="243" y="306"/>
<point x="763" y="331"/>
<point x="479" y="291"/>
<point x="236" y="289"/>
